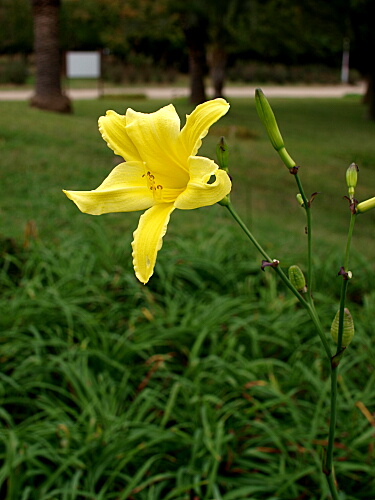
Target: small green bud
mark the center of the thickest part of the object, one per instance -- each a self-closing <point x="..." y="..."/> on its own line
<point x="222" y="153"/>
<point x="300" y="199"/>
<point x="351" y="179"/>
<point x="364" y="206"/>
<point x="348" y="328"/>
<point x="297" y="278"/>
<point x="268" y="119"/>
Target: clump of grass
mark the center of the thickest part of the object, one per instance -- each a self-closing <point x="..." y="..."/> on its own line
<point x="205" y="384"/>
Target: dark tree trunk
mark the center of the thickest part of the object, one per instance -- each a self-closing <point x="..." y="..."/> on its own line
<point x="195" y="40"/>
<point x="369" y="98"/>
<point x="362" y="16"/>
<point x="48" y="93"/>
<point x="217" y="62"/>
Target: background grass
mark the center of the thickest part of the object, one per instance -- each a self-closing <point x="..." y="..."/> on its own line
<point x="209" y="383"/>
<point x="46" y="152"/>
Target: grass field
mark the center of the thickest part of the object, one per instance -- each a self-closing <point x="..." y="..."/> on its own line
<point x="209" y="383"/>
<point x="45" y="153"/>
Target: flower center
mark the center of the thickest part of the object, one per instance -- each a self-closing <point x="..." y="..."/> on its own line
<point x="157" y="189"/>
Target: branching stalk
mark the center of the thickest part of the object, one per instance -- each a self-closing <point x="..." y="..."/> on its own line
<point x="306" y="204"/>
<point x="310" y="307"/>
<point x="307" y="305"/>
<point x="328" y="469"/>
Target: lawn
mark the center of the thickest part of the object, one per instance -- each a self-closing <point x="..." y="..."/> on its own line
<point x="209" y="383"/>
<point x="45" y="153"/>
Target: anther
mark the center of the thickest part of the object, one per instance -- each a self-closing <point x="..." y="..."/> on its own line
<point x="158" y="192"/>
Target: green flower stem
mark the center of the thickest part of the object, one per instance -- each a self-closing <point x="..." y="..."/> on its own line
<point x="264" y="254"/>
<point x="328" y="469"/>
<point x="332" y="487"/>
<point x="306" y="205"/>
<point x="247" y="231"/>
<point x="344" y="287"/>
<point x="328" y="465"/>
<point x="307" y="305"/>
<point x="349" y="241"/>
<point x="319" y="328"/>
<point x="312" y="310"/>
<point x="310" y="307"/>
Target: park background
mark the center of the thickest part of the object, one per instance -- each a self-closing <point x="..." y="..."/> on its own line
<point x="208" y="383"/>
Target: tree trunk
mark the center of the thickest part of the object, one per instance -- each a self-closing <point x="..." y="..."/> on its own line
<point x="195" y="41"/>
<point x="369" y="98"/>
<point x="48" y="94"/>
<point x="217" y="62"/>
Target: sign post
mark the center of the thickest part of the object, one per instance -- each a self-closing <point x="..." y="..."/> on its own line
<point x="84" y="65"/>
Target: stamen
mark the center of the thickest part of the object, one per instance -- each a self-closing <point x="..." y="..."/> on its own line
<point x="157" y="189"/>
<point x="158" y="192"/>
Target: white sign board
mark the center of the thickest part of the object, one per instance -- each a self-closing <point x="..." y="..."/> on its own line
<point x="83" y="64"/>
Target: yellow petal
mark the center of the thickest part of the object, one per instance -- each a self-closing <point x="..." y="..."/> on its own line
<point x="155" y="135"/>
<point x="199" y="122"/>
<point x="112" y="126"/>
<point x="124" y="190"/>
<point x="148" y="239"/>
<point x="198" y="192"/>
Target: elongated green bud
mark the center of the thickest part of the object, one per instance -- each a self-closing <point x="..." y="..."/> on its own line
<point x="297" y="278"/>
<point x="222" y="153"/>
<point x="348" y="328"/>
<point x="364" y="206"/>
<point x="268" y="119"/>
<point x="351" y="179"/>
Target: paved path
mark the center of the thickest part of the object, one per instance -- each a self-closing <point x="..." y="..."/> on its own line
<point x="171" y="92"/>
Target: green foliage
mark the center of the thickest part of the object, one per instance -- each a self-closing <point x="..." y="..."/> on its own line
<point x="134" y="27"/>
<point x="16" y="34"/>
<point x="13" y="71"/>
<point x="83" y="24"/>
<point x="281" y="31"/>
<point x="206" y="383"/>
<point x="259" y="72"/>
<point x="304" y="30"/>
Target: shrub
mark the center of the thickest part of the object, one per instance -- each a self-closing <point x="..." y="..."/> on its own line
<point x="14" y="71"/>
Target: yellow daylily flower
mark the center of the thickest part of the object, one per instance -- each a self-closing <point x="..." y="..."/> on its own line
<point x="161" y="172"/>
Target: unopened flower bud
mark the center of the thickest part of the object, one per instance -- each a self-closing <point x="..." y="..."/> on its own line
<point x="268" y="119"/>
<point x="297" y="278"/>
<point x="348" y="328"/>
<point x="364" y="206"/>
<point x="300" y="199"/>
<point x="222" y="153"/>
<point x="351" y="179"/>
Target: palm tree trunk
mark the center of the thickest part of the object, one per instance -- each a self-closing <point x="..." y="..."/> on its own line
<point x="217" y="62"/>
<point x="195" y="41"/>
<point x="48" y="94"/>
<point x="369" y="98"/>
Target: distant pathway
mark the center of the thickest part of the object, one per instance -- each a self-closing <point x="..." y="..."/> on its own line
<point x="173" y="92"/>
